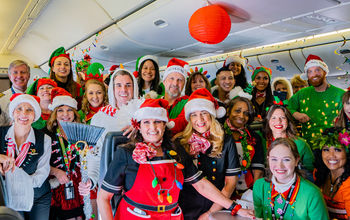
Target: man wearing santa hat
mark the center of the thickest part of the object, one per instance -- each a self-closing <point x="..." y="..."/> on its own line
<point x="317" y="105"/>
<point x="174" y="80"/>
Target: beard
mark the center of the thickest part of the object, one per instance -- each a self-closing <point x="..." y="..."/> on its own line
<point x="173" y="94"/>
<point x="317" y="81"/>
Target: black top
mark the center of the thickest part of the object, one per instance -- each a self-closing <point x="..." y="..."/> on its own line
<point x="123" y="169"/>
<point x="194" y="204"/>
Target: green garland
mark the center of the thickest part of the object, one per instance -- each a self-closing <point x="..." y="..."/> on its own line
<point x="246" y="147"/>
<point x="334" y="137"/>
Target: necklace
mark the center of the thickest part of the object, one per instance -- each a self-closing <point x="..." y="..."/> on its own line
<point x="333" y="184"/>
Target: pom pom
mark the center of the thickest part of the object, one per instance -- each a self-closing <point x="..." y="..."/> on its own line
<point x="136" y="74"/>
<point x="170" y="124"/>
<point x="220" y="112"/>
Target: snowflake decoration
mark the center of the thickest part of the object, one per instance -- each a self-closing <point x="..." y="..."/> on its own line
<point x="280" y="68"/>
<point x="280" y="200"/>
<point x="279" y="211"/>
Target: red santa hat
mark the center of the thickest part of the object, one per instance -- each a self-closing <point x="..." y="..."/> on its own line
<point x="19" y="98"/>
<point x="176" y="66"/>
<point x="154" y="109"/>
<point x="44" y="81"/>
<point x="59" y="97"/>
<point x="236" y="59"/>
<point x="311" y="61"/>
<point x="203" y="100"/>
<point x="113" y="68"/>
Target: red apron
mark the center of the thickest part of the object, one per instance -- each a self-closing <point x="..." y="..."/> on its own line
<point x="143" y="193"/>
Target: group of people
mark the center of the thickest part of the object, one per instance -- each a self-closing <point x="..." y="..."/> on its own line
<point x="271" y="149"/>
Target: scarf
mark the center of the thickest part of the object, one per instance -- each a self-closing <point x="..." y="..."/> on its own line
<point x="260" y="94"/>
<point x="199" y="143"/>
<point x="232" y="128"/>
<point x="11" y="151"/>
<point x="92" y="112"/>
<point x="144" y="151"/>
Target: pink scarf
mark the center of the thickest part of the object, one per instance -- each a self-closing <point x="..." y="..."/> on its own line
<point x="11" y="151"/>
<point x="143" y="151"/>
<point x="199" y="144"/>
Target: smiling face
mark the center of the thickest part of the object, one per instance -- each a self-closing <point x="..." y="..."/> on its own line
<point x="282" y="163"/>
<point x="44" y="92"/>
<point x="19" y="76"/>
<point x="174" y="83"/>
<point x="61" y="67"/>
<point x="148" y="71"/>
<point x="346" y="106"/>
<point x="239" y="114"/>
<point x="152" y="130"/>
<point x="334" y="158"/>
<point x="197" y="83"/>
<point x="65" y="113"/>
<point x="262" y="81"/>
<point x="316" y="76"/>
<point x="201" y="121"/>
<point x="123" y="89"/>
<point x="94" y="95"/>
<point x="278" y="123"/>
<point x="24" y="114"/>
<point x="225" y="80"/>
<point x="235" y="68"/>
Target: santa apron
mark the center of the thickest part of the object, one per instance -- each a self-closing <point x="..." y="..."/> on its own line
<point x="141" y="201"/>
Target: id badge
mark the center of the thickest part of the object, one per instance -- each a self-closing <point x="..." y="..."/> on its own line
<point x="69" y="191"/>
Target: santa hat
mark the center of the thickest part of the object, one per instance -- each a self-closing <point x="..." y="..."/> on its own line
<point x="59" y="97"/>
<point x="142" y="59"/>
<point x="154" y="109"/>
<point x="111" y="97"/>
<point x="203" y="100"/>
<point x="176" y="66"/>
<point x="113" y="68"/>
<point x="261" y="69"/>
<point x="19" y="98"/>
<point x="60" y="52"/>
<point x="94" y="71"/>
<point x="34" y="87"/>
<point x="311" y="61"/>
<point x="236" y="59"/>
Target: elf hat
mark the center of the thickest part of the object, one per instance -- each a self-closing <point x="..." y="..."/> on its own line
<point x="236" y="59"/>
<point x="311" y="61"/>
<point x="94" y="71"/>
<point x="203" y="100"/>
<point x="60" y="52"/>
<point x="34" y="87"/>
<point x="176" y="66"/>
<point x="154" y="109"/>
<point x="19" y="98"/>
<point x="60" y="96"/>
<point x="142" y="59"/>
<point x="261" y="69"/>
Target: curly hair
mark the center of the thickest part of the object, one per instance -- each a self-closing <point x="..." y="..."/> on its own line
<point x="155" y="81"/>
<point x="188" y="89"/>
<point x="85" y="103"/>
<point x="216" y="137"/>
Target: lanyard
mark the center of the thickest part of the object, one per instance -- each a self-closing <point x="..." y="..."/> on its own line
<point x="285" y="204"/>
<point x="67" y="162"/>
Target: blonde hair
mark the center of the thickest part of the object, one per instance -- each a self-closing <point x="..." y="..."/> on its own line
<point x="52" y="124"/>
<point x="85" y="103"/>
<point x="297" y="80"/>
<point x="216" y="137"/>
<point x="18" y="63"/>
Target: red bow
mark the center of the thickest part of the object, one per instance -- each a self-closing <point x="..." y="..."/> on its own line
<point x="198" y="144"/>
<point x="143" y="151"/>
<point x="260" y="94"/>
<point x="135" y="124"/>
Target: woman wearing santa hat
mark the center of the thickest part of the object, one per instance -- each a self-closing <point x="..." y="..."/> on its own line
<point x="214" y="153"/>
<point x="31" y="150"/>
<point x="150" y="169"/>
<point x="65" y="173"/>
<point x="42" y="88"/>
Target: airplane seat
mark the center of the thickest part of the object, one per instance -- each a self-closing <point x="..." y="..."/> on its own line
<point x="112" y="140"/>
<point x="9" y="214"/>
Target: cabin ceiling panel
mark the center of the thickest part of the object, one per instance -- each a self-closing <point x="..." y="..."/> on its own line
<point x="280" y="63"/>
<point x="62" y="23"/>
<point x="338" y="13"/>
<point x="10" y="12"/>
<point x="299" y="58"/>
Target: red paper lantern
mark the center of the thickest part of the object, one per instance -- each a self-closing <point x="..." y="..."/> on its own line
<point x="210" y="24"/>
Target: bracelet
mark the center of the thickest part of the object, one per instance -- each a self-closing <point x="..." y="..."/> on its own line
<point x="235" y="209"/>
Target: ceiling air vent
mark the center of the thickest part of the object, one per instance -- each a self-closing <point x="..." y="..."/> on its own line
<point x="160" y="23"/>
<point x="275" y="61"/>
<point x="344" y="51"/>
